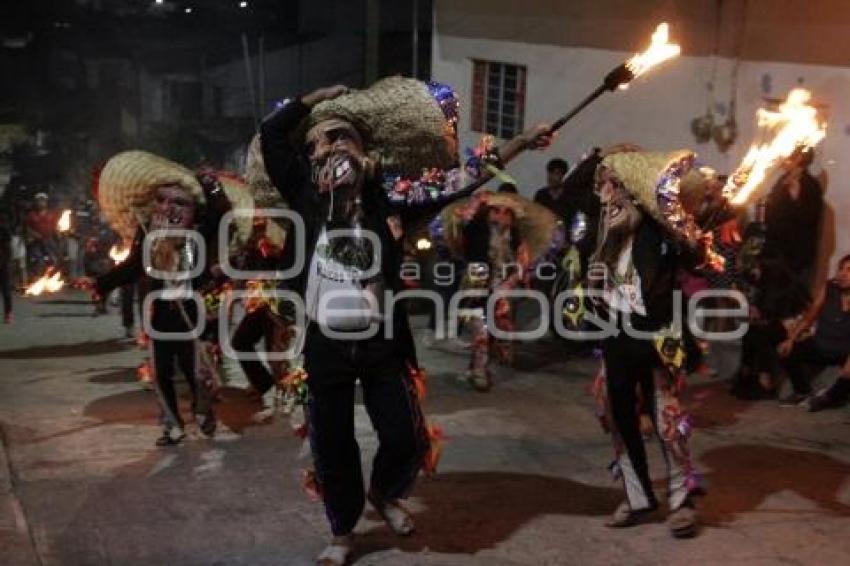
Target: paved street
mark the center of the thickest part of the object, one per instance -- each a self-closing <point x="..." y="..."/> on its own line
<point x="523" y="478"/>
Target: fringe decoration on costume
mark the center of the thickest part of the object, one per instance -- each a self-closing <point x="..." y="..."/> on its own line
<point x="436" y="437"/>
<point x="433" y="432"/>
<point x="311" y="485"/>
<point x="145" y="372"/>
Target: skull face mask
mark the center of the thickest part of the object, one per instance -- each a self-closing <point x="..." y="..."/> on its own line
<point x="173" y="207"/>
<point x="335" y="150"/>
<point x="619" y="220"/>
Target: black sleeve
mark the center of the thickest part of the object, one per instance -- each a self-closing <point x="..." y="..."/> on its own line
<point x="287" y="168"/>
<point x="128" y="271"/>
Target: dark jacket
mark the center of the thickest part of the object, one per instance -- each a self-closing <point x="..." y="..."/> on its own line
<point x="289" y="171"/>
<point x="657" y="259"/>
<point x="166" y="315"/>
<point x="793" y="226"/>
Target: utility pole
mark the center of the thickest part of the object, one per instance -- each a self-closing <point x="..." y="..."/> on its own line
<point x="415" y="40"/>
<point x="373" y="25"/>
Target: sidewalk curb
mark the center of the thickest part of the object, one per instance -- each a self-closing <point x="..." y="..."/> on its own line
<point x="15" y="532"/>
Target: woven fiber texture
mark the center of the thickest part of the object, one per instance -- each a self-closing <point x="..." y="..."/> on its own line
<point x="401" y="122"/>
<point x="127" y="184"/>
<point x="642" y="171"/>
<point x="536" y="223"/>
<point x="129" y="179"/>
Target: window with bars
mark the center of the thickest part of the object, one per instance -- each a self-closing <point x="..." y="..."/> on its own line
<point x="498" y="98"/>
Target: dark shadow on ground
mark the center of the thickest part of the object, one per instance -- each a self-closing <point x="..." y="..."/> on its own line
<point x="116" y="375"/>
<point x="472" y="511"/>
<point x="64" y="302"/>
<point x="712" y="406"/>
<point x="68" y="350"/>
<point x="744" y="475"/>
<point x="235" y="409"/>
<point x="65" y="315"/>
<point x="129" y="407"/>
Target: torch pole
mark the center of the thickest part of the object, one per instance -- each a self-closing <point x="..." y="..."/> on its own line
<point x="620" y="75"/>
<point x="559" y="123"/>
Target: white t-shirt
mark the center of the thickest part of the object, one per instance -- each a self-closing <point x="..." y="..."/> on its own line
<point x="338" y="296"/>
<point x="626" y="295"/>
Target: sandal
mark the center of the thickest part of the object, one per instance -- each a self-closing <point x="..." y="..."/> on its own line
<point x="207" y="423"/>
<point x="336" y="553"/>
<point x="624" y="516"/>
<point x="394" y="515"/>
<point x="683" y="522"/>
<point x="170" y="437"/>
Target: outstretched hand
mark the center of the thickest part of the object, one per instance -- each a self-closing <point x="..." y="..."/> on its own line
<point x="539" y="136"/>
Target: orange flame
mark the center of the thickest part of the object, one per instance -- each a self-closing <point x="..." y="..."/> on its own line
<point x="64" y="223"/>
<point x="50" y="282"/>
<point x="659" y="50"/>
<point x="793" y="126"/>
<point x="119" y="253"/>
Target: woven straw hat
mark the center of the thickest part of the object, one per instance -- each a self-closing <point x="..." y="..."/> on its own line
<point x="128" y="180"/>
<point x="654" y="179"/>
<point x="400" y="121"/>
<point x="538" y="227"/>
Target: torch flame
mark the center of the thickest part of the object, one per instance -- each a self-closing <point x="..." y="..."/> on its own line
<point x="119" y="253"/>
<point x="50" y="282"/>
<point x="659" y="50"/>
<point x="794" y="126"/>
<point x="64" y="223"/>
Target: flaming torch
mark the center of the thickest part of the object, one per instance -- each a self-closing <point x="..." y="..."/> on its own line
<point x="64" y="224"/>
<point x="659" y="50"/>
<point x="50" y="282"/>
<point x="118" y="253"/>
<point x="794" y="126"/>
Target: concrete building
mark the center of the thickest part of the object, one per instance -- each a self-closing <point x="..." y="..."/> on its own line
<point x="751" y="50"/>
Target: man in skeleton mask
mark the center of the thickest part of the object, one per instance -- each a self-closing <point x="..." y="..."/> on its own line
<point x="354" y="161"/>
<point x="141" y="193"/>
<point x="645" y="235"/>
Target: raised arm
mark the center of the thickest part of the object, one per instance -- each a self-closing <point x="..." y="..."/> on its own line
<point x="129" y="270"/>
<point x="413" y="200"/>
<point x="285" y="162"/>
<point x="286" y="166"/>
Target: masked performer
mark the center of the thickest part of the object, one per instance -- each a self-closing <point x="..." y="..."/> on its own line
<point x="646" y="235"/>
<point x="266" y="317"/>
<point x="502" y="237"/>
<point x="139" y="193"/>
<point x="354" y="161"/>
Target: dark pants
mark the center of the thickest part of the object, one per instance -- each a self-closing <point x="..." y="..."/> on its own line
<point x="629" y="365"/>
<point x="758" y="354"/>
<point x="333" y="367"/>
<point x="254" y="327"/>
<point x="807" y="353"/>
<point x="165" y="354"/>
<point x="632" y="366"/>
<point x="139" y="289"/>
<point x="5" y="287"/>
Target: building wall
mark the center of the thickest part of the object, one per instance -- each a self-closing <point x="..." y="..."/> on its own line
<point x="656" y="110"/>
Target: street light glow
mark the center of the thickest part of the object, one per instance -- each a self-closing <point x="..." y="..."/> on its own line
<point x="243" y="4"/>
